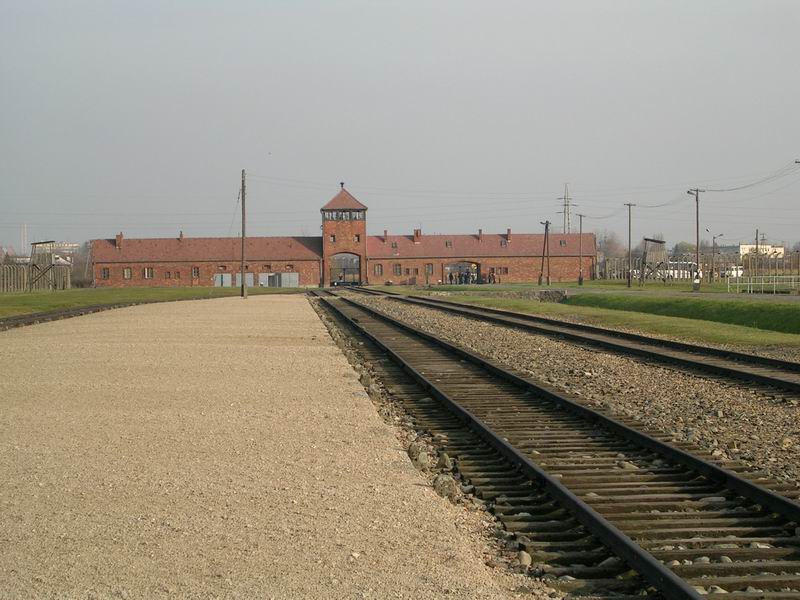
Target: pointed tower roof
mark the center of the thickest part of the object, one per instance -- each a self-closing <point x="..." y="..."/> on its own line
<point x="344" y="200"/>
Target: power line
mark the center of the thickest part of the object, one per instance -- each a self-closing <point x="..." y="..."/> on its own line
<point x="782" y="172"/>
<point x="235" y="209"/>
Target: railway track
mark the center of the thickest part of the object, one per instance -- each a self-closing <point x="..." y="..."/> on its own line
<point x="602" y="507"/>
<point x="779" y="375"/>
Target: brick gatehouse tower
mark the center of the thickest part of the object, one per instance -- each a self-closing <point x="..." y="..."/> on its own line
<point x="344" y="240"/>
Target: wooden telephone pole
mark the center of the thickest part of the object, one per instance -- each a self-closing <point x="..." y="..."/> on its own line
<point x="630" y="266"/>
<point x="244" y="283"/>
<point x="696" y="193"/>
<point x="580" y="248"/>
<point x="545" y="252"/>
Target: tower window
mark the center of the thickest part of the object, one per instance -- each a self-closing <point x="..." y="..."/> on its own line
<point x="356" y="238"/>
<point x="332" y="239"/>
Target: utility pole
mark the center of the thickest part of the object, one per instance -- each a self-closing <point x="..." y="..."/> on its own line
<point x="756" y="270"/>
<point x="566" y="209"/>
<point x="545" y="252"/>
<point x="244" y="283"/>
<point x="580" y="248"/>
<point x="696" y="193"/>
<point x="630" y="265"/>
<point x="713" y="253"/>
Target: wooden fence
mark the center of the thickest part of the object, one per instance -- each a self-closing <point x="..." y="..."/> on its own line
<point x="16" y="278"/>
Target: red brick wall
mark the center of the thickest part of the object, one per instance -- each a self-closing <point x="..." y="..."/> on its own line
<point x="344" y="232"/>
<point x="520" y="269"/>
<point x="308" y="272"/>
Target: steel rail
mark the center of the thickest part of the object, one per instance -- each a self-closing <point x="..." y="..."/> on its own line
<point x="661" y="577"/>
<point x="606" y="338"/>
<point x="776" y="502"/>
<point x="728" y="479"/>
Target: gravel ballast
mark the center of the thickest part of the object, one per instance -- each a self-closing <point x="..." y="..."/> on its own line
<point x="215" y="449"/>
<point x="732" y="421"/>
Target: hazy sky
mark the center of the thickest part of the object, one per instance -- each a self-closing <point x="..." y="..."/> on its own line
<point x="139" y="116"/>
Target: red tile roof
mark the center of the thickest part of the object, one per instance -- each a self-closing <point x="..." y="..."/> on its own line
<point x="521" y="244"/>
<point x="344" y="200"/>
<point x="207" y="249"/>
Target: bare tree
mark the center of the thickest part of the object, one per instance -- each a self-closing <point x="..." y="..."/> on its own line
<point x="610" y="245"/>
<point x="81" y="272"/>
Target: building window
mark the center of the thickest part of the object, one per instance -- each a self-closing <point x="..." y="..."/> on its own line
<point x="356" y="238"/>
<point x="126" y="273"/>
<point x="398" y="269"/>
<point x="502" y="270"/>
<point x="290" y="267"/>
<point x="222" y="268"/>
<point x="167" y="275"/>
<point x="268" y="267"/>
<point x="378" y="270"/>
<point x="504" y="242"/>
<point x="147" y="272"/>
<point x="394" y="244"/>
<point x="416" y="271"/>
<point x="177" y="274"/>
<point x="448" y="243"/>
<point x="408" y="271"/>
<point x="332" y="239"/>
<point x="196" y="272"/>
<point x="429" y="268"/>
<point x="105" y="273"/>
<point x="562" y="243"/>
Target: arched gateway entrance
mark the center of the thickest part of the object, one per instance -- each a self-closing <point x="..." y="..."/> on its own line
<point x="462" y="272"/>
<point x="345" y="269"/>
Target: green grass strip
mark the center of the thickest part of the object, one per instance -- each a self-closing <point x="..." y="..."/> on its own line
<point x="691" y="330"/>
<point x="23" y="304"/>
<point x="771" y="316"/>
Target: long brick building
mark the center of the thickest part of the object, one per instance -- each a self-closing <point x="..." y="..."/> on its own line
<point x="344" y="253"/>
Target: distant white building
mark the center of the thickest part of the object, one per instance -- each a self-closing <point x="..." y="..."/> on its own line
<point x="763" y="249"/>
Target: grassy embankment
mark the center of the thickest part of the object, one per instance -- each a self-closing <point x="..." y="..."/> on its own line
<point x="697" y="319"/>
<point x="21" y="304"/>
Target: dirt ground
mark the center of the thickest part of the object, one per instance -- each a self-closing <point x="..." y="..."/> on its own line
<point x="216" y="448"/>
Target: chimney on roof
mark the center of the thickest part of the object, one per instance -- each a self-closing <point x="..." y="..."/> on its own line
<point x="508" y="234"/>
<point x="385" y="235"/>
<point x="417" y="235"/>
<point x="341" y="183"/>
<point x="480" y="235"/>
<point x="180" y="237"/>
<point x="118" y="243"/>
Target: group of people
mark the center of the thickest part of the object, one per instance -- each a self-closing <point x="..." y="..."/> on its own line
<point x="467" y="277"/>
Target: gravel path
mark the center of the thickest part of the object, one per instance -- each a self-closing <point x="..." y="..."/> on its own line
<point x="728" y="419"/>
<point x="215" y="449"/>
